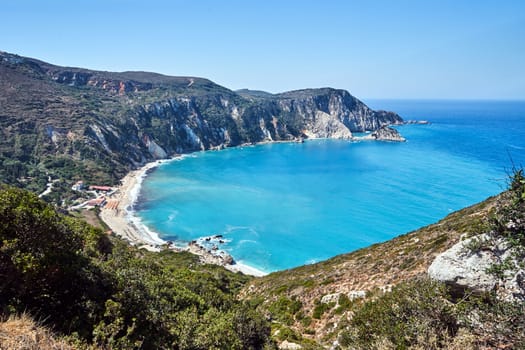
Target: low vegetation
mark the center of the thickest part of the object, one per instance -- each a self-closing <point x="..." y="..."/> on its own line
<point x="421" y="314"/>
<point x="22" y="332"/>
<point x="417" y="313"/>
<point x="100" y="292"/>
<point x="90" y="290"/>
<point x="509" y="220"/>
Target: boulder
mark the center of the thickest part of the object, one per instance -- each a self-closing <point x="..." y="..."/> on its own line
<point x="356" y="294"/>
<point x="289" y="345"/>
<point x="334" y="298"/>
<point x="330" y="298"/>
<point x="464" y="267"/>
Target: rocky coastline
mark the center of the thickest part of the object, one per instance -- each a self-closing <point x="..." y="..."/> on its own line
<point x="139" y="117"/>
<point x="120" y="218"/>
<point x="387" y="133"/>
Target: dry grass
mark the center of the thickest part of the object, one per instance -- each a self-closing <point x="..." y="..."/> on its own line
<point x="370" y="269"/>
<point x="22" y="332"/>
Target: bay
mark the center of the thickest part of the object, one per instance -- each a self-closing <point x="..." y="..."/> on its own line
<point x="287" y="204"/>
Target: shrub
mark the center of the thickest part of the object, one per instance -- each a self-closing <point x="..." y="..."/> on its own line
<point x="509" y="219"/>
<point x="413" y="314"/>
<point x="111" y="295"/>
<point x="284" y="309"/>
<point x="508" y="222"/>
<point x="43" y="264"/>
<point x="494" y="323"/>
<point x="320" y="309"/>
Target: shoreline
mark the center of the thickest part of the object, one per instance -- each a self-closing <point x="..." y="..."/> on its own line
<point x="119" y="216"/>
<point x="121" y="219"/>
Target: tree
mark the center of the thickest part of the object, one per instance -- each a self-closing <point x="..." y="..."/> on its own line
<point x="43" y="267"/>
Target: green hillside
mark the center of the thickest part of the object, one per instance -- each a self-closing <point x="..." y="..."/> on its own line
<point x="98" y="291"/>
<point x="77" y="124"/>
<point x="95" y="291"/>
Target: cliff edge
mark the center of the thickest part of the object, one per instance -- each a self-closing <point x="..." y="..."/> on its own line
<point x="71" y="122"/>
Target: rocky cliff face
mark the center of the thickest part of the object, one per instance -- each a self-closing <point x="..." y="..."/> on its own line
<point x="107" y="123"/>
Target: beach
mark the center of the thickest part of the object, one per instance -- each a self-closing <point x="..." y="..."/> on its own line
<point x="119" y="216"/>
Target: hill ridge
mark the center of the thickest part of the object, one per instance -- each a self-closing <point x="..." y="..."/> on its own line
<point x="80" y="124"/>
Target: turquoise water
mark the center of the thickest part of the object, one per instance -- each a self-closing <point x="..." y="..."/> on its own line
<point x="283" y="205"/>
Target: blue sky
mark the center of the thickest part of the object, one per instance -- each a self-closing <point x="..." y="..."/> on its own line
<point x="374" y="49"/>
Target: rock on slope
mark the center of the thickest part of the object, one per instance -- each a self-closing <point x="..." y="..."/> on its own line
<point x="466" y="269"/>
<point x="493" y="260"/>
<point x="107" y="123"/>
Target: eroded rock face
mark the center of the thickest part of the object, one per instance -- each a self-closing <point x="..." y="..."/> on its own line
<point x="466" y="269"/>
<point x="122" y="120"/>
<point x="326" y="126"/>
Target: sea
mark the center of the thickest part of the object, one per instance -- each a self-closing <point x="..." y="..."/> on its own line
<point x="282" y="205"/>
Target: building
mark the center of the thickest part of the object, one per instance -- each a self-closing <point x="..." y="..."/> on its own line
<point x="100" y="188"/>
<point x="97" y="202"/>
<point x="78" y="186"/>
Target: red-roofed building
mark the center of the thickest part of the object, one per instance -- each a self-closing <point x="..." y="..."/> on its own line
<point x="97" y="202"/>
<point x="100" y="188"/>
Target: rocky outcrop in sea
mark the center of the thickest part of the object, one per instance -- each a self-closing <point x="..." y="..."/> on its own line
<point x="386" y="133"/>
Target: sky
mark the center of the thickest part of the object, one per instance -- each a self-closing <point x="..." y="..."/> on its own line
<point x="403" y="49"/>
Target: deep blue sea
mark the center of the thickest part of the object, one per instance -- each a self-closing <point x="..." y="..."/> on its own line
<point x="283" y="205"/>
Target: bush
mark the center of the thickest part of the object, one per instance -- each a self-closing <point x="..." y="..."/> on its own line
<point x="43" y="264"/>
<point x="284" y="309"/>
<point x="320" y="309"/>
<point x="495" y="323"/>
<point x="413" y="314"/>
<point x="508" y="221"/>
<point x="112" y="295"/>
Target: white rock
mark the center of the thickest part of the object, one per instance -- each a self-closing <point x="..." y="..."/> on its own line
<point x="356" y="294"/>
<point x="289" y="345"/>
<point x="324" y="125"/>
<point x="330" y="298"/>
<point x="464" y="269"/>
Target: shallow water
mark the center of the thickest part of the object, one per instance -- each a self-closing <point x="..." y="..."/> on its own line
<point x="284" y="205"/>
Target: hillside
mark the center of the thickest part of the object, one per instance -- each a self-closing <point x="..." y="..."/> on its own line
<point x="72" y="123"/>
<point x="100" y="292"/>
<point x="358" y="300"/>
<point x="96" y="291"/>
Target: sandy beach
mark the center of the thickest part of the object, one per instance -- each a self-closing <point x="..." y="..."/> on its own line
<point x="118" y="215"/>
